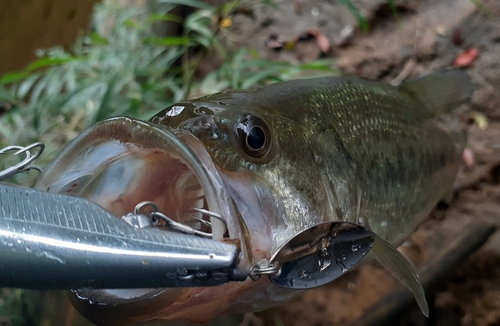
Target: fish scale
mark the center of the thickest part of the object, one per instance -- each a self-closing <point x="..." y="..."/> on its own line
<point x="390" y="144"/>
<point x="368" y="124"/>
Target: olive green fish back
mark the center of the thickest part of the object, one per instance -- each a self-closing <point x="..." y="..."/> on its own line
<point x="374" y="141"/>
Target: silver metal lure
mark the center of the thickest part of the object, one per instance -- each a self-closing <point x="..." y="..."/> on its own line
<point x="53" y="241"/>
<point x="333" y="249"/>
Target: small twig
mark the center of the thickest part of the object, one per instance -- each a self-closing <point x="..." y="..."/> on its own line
<point x="410" y="65"/>
<point x="69" y="318"/>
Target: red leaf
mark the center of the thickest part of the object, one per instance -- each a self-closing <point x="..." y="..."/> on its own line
<point x="466" y="58"/>
<point x="321" y="39"/>
<point x="468" y="158"/>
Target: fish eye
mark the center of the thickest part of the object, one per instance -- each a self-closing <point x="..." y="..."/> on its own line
<point x="254" y="135"/>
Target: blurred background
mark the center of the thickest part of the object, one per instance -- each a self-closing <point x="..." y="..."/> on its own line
<point x="65" y="64"/>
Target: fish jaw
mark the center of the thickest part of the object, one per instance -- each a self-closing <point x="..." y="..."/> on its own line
<point x="120" y="162"/>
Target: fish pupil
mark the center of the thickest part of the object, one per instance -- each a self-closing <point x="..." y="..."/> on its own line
<point x="256" y="138"/>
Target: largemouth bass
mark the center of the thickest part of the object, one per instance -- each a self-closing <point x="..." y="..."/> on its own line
<point x="272" y="162"/>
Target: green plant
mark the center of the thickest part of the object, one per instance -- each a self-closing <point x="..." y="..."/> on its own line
<point x="362" y="21"/>
<point x="17" y="303"/>
<point x="127" y="70"/>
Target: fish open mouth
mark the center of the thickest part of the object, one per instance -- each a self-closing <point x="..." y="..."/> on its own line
<point x="122" y="162"/>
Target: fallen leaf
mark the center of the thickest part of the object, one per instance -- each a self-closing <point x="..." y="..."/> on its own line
<point x="456" y="36"/>
<point x="480" y="119"/>
<point x="226" y="22"/>
<point x="468" y="158"/>
<point x="321" y="39"/>
<point x="466" y="58"/>
<point x="275" y="43"/>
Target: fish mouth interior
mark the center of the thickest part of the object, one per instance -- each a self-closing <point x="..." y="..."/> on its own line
<point x="138" y="175"/>
<point x="122" y="162"/>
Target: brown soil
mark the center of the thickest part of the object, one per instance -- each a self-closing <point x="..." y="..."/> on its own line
<point x="426" y="32"/>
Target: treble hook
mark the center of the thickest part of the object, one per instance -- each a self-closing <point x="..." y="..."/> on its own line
<point x="156" y="216"/>
<point x="24" y="165"/>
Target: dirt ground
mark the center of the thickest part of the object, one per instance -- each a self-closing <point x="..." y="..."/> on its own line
<point x="426" y="36"/>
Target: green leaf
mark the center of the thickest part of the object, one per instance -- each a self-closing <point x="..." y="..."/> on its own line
<point x="203" y="41"/>
<point x="167" y="41"/>
<point x="104" y="109"/>
<point x="164" y="17"/>
<point x="199" y="24"/>
<point x="55" y="83"/>
<point x="322" y="65"/>
<point x="70" y="79"/>
<point x="5" y="95"/>
<point x="97" y="39"/>
<point x="69" y="99"/>
<point x="46" y="62"/>
<point x="393" y="7"/>
<point x="484" y="8"/>
<point x="260" y="76"/>
<point x="236" y="65"/>
<point x="363" y="23"/>
<point x="191" y="3"/>
<point x="13" y="77"/>
<point x="39" y="89"/>
<point x="26" y="85"/>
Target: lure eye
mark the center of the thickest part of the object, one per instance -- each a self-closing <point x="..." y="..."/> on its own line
<point x="254" y="135"/>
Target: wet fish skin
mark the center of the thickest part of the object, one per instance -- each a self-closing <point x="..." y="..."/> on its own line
<point x="338" y="138"/>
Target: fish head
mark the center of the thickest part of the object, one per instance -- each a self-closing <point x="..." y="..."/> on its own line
<point x="266" y="161"/>
<point x="249" y="165"/>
